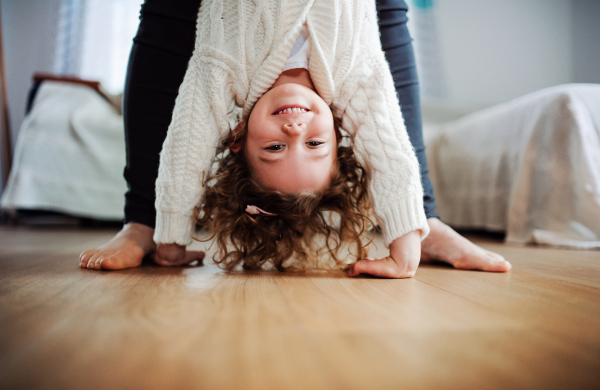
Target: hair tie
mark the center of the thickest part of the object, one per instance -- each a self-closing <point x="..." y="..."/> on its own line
<point x="256" y="210"/>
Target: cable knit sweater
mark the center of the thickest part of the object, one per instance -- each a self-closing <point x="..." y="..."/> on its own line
<point x="241" y="48"/>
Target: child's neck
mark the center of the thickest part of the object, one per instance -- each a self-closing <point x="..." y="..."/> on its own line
<point x="296" y="76"/>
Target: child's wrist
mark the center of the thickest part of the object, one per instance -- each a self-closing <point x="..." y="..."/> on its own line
<point x="406" y="250"/>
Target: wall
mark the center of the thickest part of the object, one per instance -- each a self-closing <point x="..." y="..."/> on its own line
<point x="493" y="51"/>
<point x="29" y="34"/>
<point x="585" y="41"/>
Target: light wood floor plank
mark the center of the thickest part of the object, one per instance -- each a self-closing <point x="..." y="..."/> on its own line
<point x="416" y="334"/>
<point x="536" y="327"/>
<point x="575" y="266"/>
<point x="151" y="328"/>
<point x="455" y="360"/>
<point x="366" y="304"/>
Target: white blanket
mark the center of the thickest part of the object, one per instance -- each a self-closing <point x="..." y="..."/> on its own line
<point x="529" y="167"/>
<point x="69" y="156"/>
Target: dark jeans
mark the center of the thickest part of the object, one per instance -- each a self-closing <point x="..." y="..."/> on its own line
<point x="157" y="64"/>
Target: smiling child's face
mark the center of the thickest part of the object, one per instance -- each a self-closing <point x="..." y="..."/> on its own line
<point x="291" y="142"/>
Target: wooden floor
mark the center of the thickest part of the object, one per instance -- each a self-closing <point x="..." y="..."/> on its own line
<point x="61" y="327"/>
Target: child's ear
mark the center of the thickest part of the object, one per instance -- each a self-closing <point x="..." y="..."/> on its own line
<point x="236" y="146"/>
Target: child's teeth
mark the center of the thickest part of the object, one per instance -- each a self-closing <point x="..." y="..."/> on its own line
<point x="293" y="109"/>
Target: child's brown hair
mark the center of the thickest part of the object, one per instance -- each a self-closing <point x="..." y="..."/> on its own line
<point x="338" y="214"/>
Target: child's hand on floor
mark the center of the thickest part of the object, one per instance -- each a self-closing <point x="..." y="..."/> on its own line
<point x="169" y="255"/>
<point x="405" y="253"/>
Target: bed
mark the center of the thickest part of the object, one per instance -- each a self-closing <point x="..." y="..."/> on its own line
<point x="69" y="155"/>
<point x="529" y="168"/>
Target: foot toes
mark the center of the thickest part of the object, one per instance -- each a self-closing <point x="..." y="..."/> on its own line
<point x="110" y="263"/>
<point x="85" y="257"/>
<point x="99" y="261"/>
<point x="125" y="250"/>
<point x="92" y="260"/>
<point x="498" y="265"/>
<point x="505" y="266"/>
<point x="485" y="261"/>
<point x="498" y="257"/>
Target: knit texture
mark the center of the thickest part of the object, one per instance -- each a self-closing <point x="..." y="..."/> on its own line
<point x="241" y="49"/>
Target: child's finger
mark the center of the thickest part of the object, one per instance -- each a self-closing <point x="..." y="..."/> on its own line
<point x="371" y="267"/>
<point x="352" y="272"/>
<point x="193" y="256"/>
<point x="384" y="268"/>
<point x="188" y="257"/>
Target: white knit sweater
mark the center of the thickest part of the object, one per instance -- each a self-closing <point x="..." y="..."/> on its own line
<point x="241" y="48"/>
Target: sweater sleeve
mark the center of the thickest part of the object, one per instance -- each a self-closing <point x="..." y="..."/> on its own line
<point x="371" y="114"/>
<point x="199" y="118"/>
<point x="373" y="118"/>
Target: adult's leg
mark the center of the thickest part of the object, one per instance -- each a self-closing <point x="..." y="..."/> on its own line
<point x="443" y="243"/>
<point x="161" y="51"/>
<point x="159" y="56"/>
<point x="397" y="45"/>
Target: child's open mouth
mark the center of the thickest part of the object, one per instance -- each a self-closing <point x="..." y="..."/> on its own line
<point x="291" y="109"/>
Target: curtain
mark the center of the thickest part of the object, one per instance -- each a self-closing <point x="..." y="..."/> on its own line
<point x="94" y="39"/>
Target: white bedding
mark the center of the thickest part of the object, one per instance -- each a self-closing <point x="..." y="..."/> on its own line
<point x="529" y="167"/>
<point x="69" y="156"/>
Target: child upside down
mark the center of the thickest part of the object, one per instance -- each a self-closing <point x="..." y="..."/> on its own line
<point x="284" y="157"/>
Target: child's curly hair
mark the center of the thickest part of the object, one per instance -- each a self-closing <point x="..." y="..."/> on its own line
<point x="337" y="214"/>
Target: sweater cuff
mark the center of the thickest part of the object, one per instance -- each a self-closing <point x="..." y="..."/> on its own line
<point x="401" y="217"/>
<point x="173" y="228"/>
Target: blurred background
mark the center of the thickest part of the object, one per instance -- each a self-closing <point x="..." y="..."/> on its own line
<point x="90" y="39"/>
<point x="487" y="52"/>
<point x="471" y="54"/>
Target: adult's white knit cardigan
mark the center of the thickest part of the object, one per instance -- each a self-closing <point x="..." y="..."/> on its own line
<point x="241" y="48"/>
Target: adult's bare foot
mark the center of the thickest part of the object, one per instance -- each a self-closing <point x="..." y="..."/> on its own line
<point x="444" y="244"/>
<point x="125" y="250"/>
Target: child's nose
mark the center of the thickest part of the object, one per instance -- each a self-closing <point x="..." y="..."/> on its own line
<point x="294" y="128"/>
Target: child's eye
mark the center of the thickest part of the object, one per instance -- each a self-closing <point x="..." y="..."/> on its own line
<point x="314" y="143"/>
<point x="275" y="147"/>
